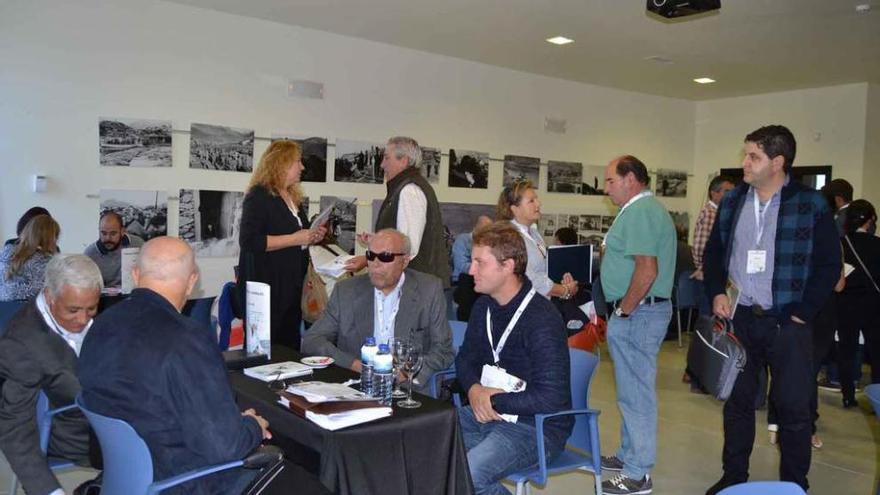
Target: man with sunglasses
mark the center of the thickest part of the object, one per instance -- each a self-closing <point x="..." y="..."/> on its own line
<point x="391" y="302"/>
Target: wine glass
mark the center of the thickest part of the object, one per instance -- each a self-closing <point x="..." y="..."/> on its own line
<point x="398" y="351"/>
<point x="412" y="364"/>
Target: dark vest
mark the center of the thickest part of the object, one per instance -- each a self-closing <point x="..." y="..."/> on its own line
<point x="433" y="257"/>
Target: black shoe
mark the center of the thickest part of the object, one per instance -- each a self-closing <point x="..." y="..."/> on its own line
<point x="723" y="483"/>
<point x="848" y="403"/>
<point x="621" y="485"/>
<point x="91" y="487"/>
<point x="611" y="463"/>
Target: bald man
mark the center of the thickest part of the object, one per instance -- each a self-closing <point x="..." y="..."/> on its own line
<point x="160" y="371"/>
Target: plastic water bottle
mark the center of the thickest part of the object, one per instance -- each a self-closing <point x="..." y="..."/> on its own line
<point x="383" y="375"/>
<point x="368" y="354"/>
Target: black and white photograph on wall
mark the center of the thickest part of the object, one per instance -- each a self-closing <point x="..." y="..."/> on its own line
<point x="518" y="168"/>
<point x="360" y="162"/>
<point x="606" y="222"/>
<point x="314" y="156"/>
<point x="134" y="142"/>
<point x="209" y="221"/>
<point x="590" y="222"/>
<point x="469" y="169"/>
<point x="217" y="147"/>
<point x="591" y="237"/>
<point x="144" y="213"/>
<point x="547" y="225"/>
<point x="671" y="183"/>
<point x="681" y="219"/>
<point x="430" y="167"/>
<point x="573" y="222"/>
<point x="594" y="180"/>
<point x="564" y="177"/>
<point x="343" y="220"/>
<point x="561" y="221"/>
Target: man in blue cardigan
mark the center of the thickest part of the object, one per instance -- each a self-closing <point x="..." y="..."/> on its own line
<point x="776" y="241"/>
<point x="528" y="341"/>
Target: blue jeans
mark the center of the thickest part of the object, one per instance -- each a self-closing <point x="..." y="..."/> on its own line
<point x="496" y="449"/>
<point x="634" y="343"/>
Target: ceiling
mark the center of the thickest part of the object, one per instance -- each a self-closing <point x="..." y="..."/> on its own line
<point x="748" y="47"/>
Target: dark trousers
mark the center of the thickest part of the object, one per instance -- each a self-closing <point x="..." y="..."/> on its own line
<point x="857" y="312"/>
<point x="824" y="326"/>
<point x="285" y="326"/>
<point x="786" y="347"/>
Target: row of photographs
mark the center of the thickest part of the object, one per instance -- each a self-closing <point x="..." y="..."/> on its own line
<point x="209" y="220"/>
<point x="147" y="143"/>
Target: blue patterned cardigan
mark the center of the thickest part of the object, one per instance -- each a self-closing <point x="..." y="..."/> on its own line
<point x="807" y="263"/>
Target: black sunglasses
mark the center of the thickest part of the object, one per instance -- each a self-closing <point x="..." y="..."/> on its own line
<point x="384" y="257"/>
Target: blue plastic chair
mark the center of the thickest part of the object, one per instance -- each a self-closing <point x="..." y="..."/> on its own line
<point x="225" y="315"/>
<point x="44" y="428"/>
<point x="458" y="330"/>
<point x="685" y="298"/>
<point x="584" y="436"/>
<point x="7" y="310"/>
<point x="128" y="467"/>
<point x="873" y="393"/>
<point x="764" y="488"/>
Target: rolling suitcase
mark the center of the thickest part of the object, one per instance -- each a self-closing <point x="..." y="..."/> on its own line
<point x="715" y="357"/>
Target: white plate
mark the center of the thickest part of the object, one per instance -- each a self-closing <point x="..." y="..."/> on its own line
<point x="317" y="362"/>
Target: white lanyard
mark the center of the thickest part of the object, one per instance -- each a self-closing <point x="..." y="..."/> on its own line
<point x="527" y="233"/>
<point x="643" y="194"/>
<point x="496" y="352"/>
<point x="759" y="218"/>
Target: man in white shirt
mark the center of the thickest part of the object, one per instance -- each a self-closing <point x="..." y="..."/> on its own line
<point x="39" y="352"/>
<point x="410" y="207"/>
<point x="390" y="302"/>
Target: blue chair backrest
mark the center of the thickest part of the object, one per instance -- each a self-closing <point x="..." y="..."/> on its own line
<point x="873" y="393"/>
<point x="685" y="291"/>
<point x="764" y="488"/>
<point x="7" y="310"/>
<point x="43" y="427"/>
<point x="458" y="330"/>
<point x="128" y="467"/>
<point x="225" y="314"/>
<point x="200" y="310"/>
<point x="583" y="367"/>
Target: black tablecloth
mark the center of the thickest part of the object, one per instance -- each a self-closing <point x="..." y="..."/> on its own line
<point x="415" y="451"/>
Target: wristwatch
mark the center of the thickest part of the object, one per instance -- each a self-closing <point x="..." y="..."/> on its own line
<point x="619" y="313"/>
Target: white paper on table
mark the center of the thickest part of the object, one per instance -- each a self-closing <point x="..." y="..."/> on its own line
<point x="258" y="304"/>
<point x="316" y="392"/>
<point x="128" y="258"/>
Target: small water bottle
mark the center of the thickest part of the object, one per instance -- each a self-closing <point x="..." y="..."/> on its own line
<point x="368" y="354"/>
<point x="383" y="375"/>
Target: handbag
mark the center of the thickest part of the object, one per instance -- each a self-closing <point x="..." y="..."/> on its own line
<point x="716" y="357"/>
<point x="314" y="293"/>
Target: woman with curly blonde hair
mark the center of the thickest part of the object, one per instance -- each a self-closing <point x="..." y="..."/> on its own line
<point x="274" y="235"/>
<point x="23" y="263"/>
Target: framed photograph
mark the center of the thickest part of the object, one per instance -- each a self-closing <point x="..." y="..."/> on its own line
<point x="357" y="161"/>
<point x="144" y="213"/>
<point x="671" y="183"/>
<point x="215" y="147"/>
<point x="209" y="221"/>
<point x="521" y="168"/>
<point x="565" y="177"/>
<point x="468" y="169"/>
<point x="134" y="142"/>
<point x="314" y="156"/>
<point x="430" y="167"/>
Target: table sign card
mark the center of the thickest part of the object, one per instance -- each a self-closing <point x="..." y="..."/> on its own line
<point x="258" y="319"/>
<point x="128" y="257"/>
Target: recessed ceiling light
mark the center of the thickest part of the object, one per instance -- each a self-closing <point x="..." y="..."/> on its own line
<point x="704" y="80"/>
<point x="560" y="40"/>
<point x="863" y="8"/>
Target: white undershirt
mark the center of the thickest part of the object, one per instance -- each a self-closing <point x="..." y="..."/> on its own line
<point x="412" y="215"/>
<point x="73" y="339"/>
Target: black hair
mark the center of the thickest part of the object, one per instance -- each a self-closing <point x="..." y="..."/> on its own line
<point x="27" y="216"/>
<point x="567" y="236"/>
<point x="775" y="140"/>
<point x="857" y="214"/>
<point x="630" y="164"/>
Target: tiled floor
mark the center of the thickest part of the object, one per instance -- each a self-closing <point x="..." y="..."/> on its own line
<point x="689" y="444"/>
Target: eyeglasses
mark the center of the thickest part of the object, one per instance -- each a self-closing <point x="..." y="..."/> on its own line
<point x="384" y="257"/>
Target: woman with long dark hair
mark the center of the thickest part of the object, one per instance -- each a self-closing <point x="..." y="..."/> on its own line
<point x="23" y="263"/>
<point x="860" y="299"/>
<point x="274" y="236"/>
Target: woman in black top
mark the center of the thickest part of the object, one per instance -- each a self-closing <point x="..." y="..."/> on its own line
<point x="274" y="235"/>
<point x="860" y="299"/>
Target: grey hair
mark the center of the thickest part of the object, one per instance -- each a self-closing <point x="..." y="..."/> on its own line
<point x="73" y="270"/>
<point x="409" y="147"/>
<point x="407" y="245"/>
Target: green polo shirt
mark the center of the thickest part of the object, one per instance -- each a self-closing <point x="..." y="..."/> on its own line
<point x="644" y="228"/>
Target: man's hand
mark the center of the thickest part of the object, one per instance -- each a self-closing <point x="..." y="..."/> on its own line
<point x="479" y="397"/>
<point x="721" y="306"/>
<point x="264" y="425"/>
<point x="357" y="365"/>
<point x="364" y="238"/>
<point x="356" y="264"/>
<point x="697" y="275"/>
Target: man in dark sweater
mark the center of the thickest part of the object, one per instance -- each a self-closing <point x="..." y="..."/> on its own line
<point x="528" y="341"/>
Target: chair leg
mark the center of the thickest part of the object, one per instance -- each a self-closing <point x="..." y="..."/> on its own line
<point x="520" y="488"/>
<point x="13" y="484"/>
<point x="598" y="484"/>
<point x="678" y="321"/>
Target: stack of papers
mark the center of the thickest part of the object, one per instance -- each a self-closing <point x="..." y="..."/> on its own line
<point x="340" y="420"/>
<point x="317" y="392"/>
<point x="278" y="371"/>
<point x="334" y="268"/>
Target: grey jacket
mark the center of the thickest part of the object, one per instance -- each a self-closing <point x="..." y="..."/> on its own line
<point x="348" y="319"/>
<point x="34" y="358"/>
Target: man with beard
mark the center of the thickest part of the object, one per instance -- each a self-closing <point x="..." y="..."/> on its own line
<point x="106" y="252"/>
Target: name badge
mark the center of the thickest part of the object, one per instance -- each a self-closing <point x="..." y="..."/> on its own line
<point x="757" y="261"/>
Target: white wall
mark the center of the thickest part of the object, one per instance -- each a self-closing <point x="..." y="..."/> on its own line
<point x="828" y="123"/>
<point x="871" y="175"/>
<point x="67" y="63"/>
